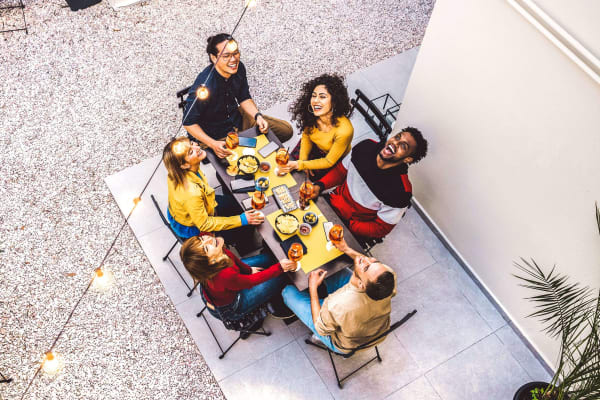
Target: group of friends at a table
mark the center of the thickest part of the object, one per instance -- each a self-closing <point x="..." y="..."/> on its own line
<point x="371" y="192"/>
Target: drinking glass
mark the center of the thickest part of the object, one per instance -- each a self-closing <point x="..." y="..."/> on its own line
<point x="231" y="142"/>
<point x="295" y="254"/>
<point x="306" y="190"/>
<point x="336" y="234"/>
<point x="258" y="200"/>
<point x="281" y="158"/>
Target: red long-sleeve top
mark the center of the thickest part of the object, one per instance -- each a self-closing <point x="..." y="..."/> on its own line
<point x="224" y="286"/>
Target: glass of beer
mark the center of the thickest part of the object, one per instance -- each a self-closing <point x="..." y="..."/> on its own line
<point x="231" y="142"/>
<point x="281" y="158"/>
<point x="306" y="190"/>
<point x="258" y="200"/>
<point x="295" y="254"/>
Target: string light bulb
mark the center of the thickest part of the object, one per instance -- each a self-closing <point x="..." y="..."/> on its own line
<point x="202" y="92"/>
<point x="232" y="45"/>
<point x="52" y="363"/>
<point x="137" y="200"/>
<point x="103" y="279"/>
<point x="180" y="147"/>
<point x="250" y="3"/>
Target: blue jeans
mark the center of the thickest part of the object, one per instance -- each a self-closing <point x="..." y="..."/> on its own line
<point x="249" y="299"/>
<point x="299" y="302"/>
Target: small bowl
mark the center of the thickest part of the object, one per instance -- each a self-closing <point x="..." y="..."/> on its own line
<point x="292" y="229"/>
<point x="262" y="183"/>
<point x="310" y="218"/>
<point x="264" y="166"/>
<point x="304" y="229"/>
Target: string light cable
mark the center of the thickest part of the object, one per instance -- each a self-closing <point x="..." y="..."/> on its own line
<point x="52" y="362"/>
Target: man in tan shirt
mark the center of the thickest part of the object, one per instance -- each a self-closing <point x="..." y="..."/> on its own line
<point x="357" y="308"/>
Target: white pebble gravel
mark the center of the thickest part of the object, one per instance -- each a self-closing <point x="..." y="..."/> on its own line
<point x="86" y="94"/>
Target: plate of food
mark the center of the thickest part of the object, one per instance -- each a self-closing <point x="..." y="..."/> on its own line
<point x="310" y="218"/>
<point x="262" y="183"/>
<point x="287" y="224"/>
<point x="248" y="165"/>
<point x="284" y="198"/>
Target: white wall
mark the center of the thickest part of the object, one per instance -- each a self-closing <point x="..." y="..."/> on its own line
<point x="514" y="163"/>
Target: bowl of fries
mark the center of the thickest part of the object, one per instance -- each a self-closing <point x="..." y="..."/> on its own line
<point x="248" y="165"/>
<point x="287" y="224"/>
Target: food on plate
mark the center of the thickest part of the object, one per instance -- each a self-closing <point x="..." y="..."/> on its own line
<point x="265" y="166"/>
<point x="286" y="224"/>
<point x="262" y="183"/>
<point x="304" y="229"/>
<point x="310" y="218"/>
<point x="248" y="164"/>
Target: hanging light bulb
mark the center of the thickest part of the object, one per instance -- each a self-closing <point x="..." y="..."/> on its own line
<point x="52" y="363"/>
<point x="180" y="147"/>
<point x="232" y="45"/>
<point x="103" y="279"/>
<point x="202" y="92"/>
<point x="250" y="3"/>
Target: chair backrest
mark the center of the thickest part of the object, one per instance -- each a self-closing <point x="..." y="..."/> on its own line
<point x="371" y="342"/>
<point x="242" y="324"/>
<point x="164" y="220"/>
<point x="372" y="115"/>
<point x="182" y="95"/>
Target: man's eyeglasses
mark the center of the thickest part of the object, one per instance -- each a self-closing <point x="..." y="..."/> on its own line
<point x="227" y="56"/>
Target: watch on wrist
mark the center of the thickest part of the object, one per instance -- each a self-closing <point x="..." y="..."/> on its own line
<point x="258" y="114"/>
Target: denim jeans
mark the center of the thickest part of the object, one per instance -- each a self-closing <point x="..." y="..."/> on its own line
<point x="299" y="302"/>
<point x="249" y="299"/>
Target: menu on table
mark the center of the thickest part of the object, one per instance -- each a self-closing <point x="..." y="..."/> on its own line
<point x="315" y="241"/>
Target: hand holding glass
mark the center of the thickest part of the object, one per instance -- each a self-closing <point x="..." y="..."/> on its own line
<point x="281" y="158"/>
<point x="295" y="254"/>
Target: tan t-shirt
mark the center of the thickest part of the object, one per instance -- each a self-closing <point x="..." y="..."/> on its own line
<point x="352" y="318"/>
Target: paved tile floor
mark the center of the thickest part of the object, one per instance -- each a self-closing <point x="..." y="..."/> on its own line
<point x="457" y="346"/>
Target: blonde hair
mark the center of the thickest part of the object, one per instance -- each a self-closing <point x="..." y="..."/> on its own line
<point x="201" y="267"/>
<point x="174" y="157"/>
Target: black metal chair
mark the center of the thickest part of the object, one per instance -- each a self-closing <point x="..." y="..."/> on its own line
<point x="178" y="239"/>
<point x="361" y="347"/>
<point x="372" y="115"/>
<point x="182" y="96"/>
<point x="243" y="326"/>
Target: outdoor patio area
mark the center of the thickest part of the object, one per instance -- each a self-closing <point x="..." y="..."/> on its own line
<point x="89" y="103"/>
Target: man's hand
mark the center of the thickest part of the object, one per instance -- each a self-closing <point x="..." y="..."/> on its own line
<point x="287" y="265"/>
<point x="341" y="245"/>
<point x="289" y="167"/>
<point x="315" y="192"/>
<point x="254" y="217"/>
<point x="263" y="125"/>
<point x="316" y="278"/>
<point x="218" y="146"/>
<point x="256" y="269"/>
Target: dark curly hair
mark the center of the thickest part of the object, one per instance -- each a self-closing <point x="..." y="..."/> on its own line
<point x="340" y="101"/>
<point x="422" y="146"/>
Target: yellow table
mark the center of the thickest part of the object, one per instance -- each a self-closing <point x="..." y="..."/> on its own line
<point x="274" y="180"/>
<point x="315" y="241"/>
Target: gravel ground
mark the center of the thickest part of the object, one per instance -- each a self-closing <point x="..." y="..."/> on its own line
<point x="87" y="94"/>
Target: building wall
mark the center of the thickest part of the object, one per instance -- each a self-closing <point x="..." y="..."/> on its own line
<point x="514" y="163"/>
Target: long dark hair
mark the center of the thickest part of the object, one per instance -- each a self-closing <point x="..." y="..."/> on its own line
<point x="340" y="102"/>
<point x="199" y="265"/>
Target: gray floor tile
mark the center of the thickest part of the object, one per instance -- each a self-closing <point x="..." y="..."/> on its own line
<point x="299" y="330"/>
<point x="244" y="353"/>
<point x="445" y="323"/>
<point x="375" y="381"/>
<point x="419" y="389"/>
<point x="486" y="370"/>
<point x="397" y="71"/>
<point x="127" y="185"/>
<point x="283" y="374"/>
<point x="156" y="244"/>
<point x="522" y="354"/>
<point x="401" y="251"/>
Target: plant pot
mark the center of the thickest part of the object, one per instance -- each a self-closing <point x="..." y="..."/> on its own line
<point x="524" y="392"/>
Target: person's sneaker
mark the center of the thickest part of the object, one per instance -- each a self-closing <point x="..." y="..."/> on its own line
<point x="256" y="326"/>
<point x="316" y="341"/>
<point x="280" y="311"/>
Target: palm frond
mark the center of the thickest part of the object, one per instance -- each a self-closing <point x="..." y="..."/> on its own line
<point x="561" y="305"/>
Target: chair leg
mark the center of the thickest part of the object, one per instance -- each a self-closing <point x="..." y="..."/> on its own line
<point x="170" y="250"/>
<point x="201" y="314"/>
<point x="378" y="356"/>
<point x="191" y="289"/>
<point x="335" y="370"/>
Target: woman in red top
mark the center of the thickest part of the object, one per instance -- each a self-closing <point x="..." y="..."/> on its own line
<point x="234" y="287"/>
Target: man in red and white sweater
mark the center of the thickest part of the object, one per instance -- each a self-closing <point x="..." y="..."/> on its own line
<point x="373" y="190"/>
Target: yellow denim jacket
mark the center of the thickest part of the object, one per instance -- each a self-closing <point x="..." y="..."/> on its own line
<point x="193" y="204"/>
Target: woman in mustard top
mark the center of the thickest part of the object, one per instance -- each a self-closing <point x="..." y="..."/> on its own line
<point x="193" y="205"/>
<point x="321" y="112"/>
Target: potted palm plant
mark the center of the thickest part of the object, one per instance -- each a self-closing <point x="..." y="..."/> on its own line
<point x="570" y="312"/>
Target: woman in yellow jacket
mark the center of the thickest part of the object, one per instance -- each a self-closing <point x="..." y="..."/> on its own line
<point x="193" y="205"/>
<point x="321" y="112"/>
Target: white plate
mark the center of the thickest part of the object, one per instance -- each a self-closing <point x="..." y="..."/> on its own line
<point x="248" y="152"/>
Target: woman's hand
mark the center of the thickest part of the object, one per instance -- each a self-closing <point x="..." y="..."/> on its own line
<point x="218" y="146"/>
<point x="289" y="167"/>
<point x="256" y="269"/>
<point x="315" y="192"/>
<point x="254" y="217"/>
<point x="287" y="265"/>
